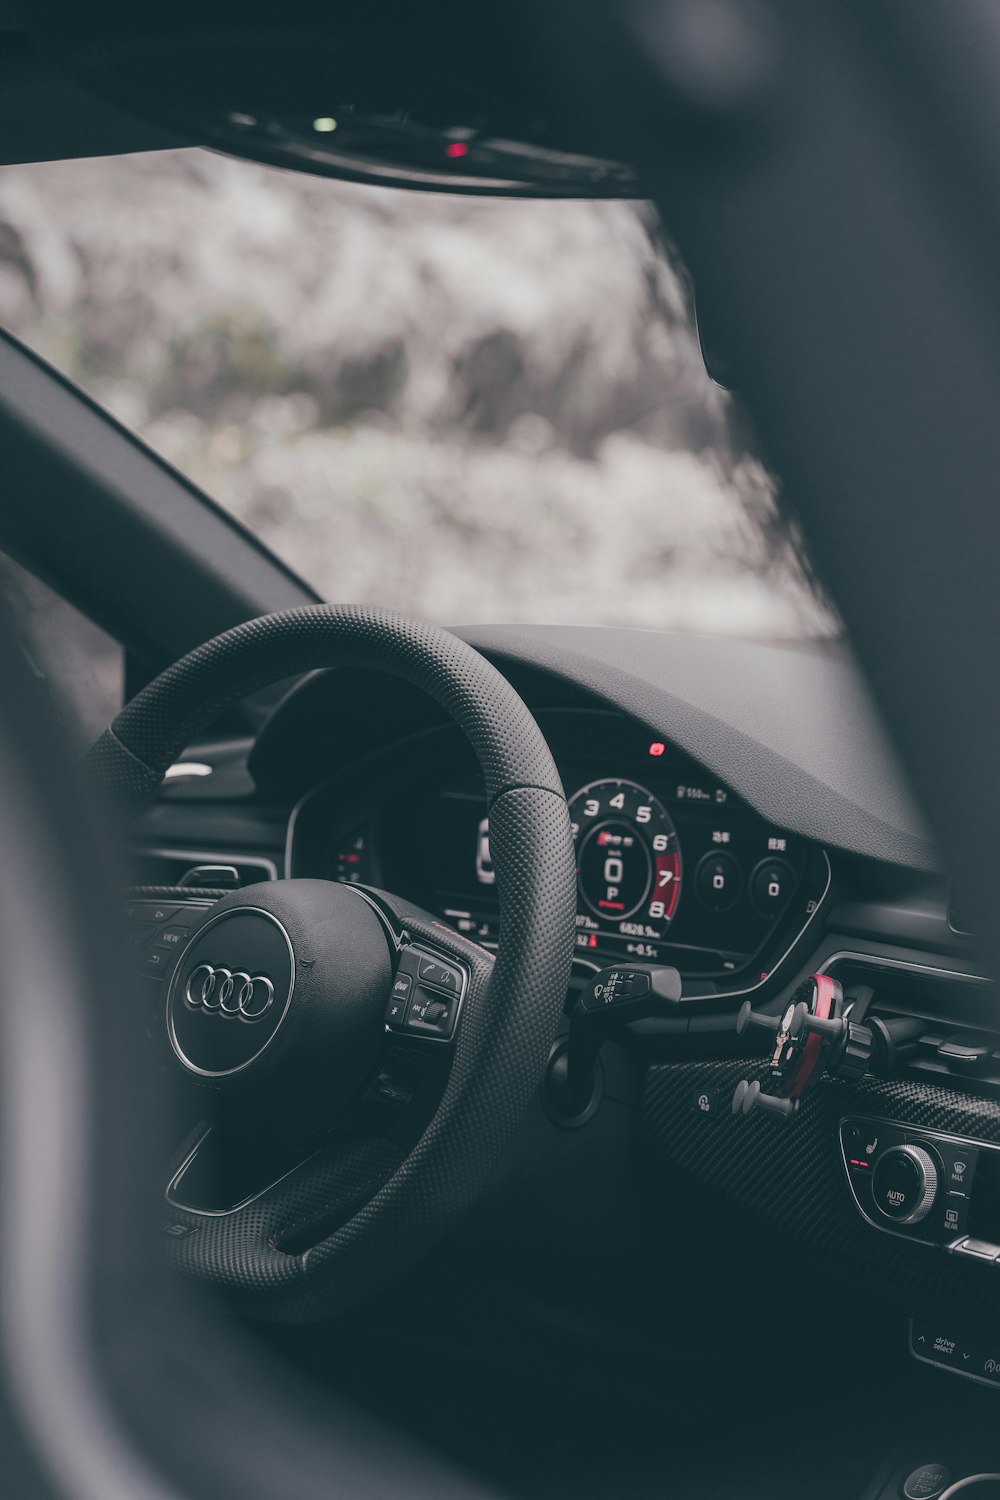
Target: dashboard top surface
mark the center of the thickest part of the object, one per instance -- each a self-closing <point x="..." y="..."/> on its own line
<point x="793" y="730"/>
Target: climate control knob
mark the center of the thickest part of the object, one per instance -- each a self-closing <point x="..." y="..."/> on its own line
<point x="905" y="1184"/>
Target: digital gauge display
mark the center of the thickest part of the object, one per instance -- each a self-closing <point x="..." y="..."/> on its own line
<point x="628" y="862"/>
<point x="672" y="865"/>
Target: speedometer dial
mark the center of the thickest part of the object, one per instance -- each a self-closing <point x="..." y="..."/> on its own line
<point x="628" y="858"/>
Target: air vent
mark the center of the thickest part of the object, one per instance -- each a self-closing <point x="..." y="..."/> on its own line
<point x="935" y="1023"/>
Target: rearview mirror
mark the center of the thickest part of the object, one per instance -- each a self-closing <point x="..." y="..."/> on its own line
<point x="439" y="95"/>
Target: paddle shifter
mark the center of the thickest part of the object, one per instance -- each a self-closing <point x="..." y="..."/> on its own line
<point x="812" y="1036"/>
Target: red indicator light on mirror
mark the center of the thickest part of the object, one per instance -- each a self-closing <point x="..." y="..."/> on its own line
<point x="657" y="747"/>
<point x="456" y="149"/>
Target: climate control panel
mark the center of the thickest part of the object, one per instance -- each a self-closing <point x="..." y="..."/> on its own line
<point x="921" y="1184"/>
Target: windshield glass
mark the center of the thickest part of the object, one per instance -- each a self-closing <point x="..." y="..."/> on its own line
<point x="468" y="409"/>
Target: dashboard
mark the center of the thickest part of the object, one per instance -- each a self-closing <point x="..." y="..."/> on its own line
<point x="737" y="814"/>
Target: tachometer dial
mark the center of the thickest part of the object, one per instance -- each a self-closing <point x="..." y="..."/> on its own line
<point x="627" y="855"/>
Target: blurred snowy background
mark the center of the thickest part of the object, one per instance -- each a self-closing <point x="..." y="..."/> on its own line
<point x="472" y="410"/>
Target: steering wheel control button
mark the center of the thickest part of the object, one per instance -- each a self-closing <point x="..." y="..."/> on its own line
<point x="718" y="881"/>
<point x="155" y="942"/>
<point x="173" y="937"/>
<point x="440" y="975"/>
<point x="436" y="987"/>
<point x="158" y="960"/>
<point x="395" y="1011"/>
<point x="905" y="1184"/>
<point x="429" y="1016"/>
<point x="771" y="887"/>
<point x="152" y="911"/>
<point x="927" y="1482"/>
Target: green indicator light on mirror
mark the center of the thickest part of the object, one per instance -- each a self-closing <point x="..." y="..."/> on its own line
<point x="324" y="124"/>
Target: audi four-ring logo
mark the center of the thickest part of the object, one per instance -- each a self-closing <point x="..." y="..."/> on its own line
<point x="231" y="992"/>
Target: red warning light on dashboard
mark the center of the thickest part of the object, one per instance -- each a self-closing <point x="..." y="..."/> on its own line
<point x="657" y="747"/>
<point x="456" y="149"/>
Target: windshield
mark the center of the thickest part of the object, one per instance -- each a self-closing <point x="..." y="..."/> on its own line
<point x="473" y="410"/>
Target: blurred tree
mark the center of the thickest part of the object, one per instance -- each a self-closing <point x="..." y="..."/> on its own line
<point x="513" y="388"/>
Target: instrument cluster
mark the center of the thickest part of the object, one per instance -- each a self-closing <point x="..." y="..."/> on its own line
<point x="672" y="867"/>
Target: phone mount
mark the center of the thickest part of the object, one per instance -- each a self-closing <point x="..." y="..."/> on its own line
<point x="812" y="1037"/>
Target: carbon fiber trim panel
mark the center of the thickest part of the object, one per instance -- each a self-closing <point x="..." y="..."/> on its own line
<point x="791" y="1175"/>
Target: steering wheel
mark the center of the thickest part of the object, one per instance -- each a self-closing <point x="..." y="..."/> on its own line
<point x="371" y="1062"/>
